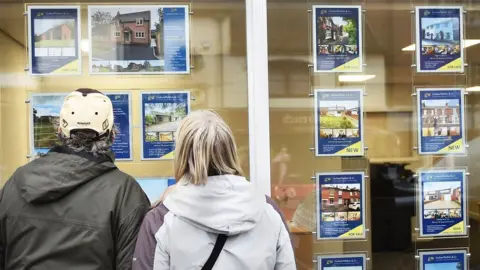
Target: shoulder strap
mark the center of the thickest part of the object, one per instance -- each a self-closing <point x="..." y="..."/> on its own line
<point x="219" y="244"/>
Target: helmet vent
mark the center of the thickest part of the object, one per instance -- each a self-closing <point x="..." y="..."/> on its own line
<point x="73" y="113"/>
<point x="105" y="125"/>
<point x="96" y="113"/>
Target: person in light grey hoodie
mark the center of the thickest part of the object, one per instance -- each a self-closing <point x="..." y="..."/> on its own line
<point x="213" y="218"/>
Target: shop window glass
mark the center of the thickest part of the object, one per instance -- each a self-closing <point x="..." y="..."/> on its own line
<point x="308" y="42"/>
<point x="122" y="54"/>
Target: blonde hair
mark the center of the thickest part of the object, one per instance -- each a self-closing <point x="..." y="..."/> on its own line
<point x="205" y="146"/>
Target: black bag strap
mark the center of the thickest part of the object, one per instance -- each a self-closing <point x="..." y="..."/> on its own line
<point x="219" y="244"/>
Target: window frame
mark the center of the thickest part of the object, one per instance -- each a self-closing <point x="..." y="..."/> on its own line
<point x="140" y="32"/>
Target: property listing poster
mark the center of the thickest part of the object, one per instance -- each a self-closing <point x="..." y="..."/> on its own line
<point x="337" y="39"/>
<point x="45" y="116"/>
<point x="339" y="122"/>
<point x="155" y="187"/>
<point x="442" y="203"/>
<point x="139" y="39"/>
<point x="161" y="116"/>
<point x="342" y="262"/>
<point x="443" y="260"/>
<point x="340" y="205"/>
<point x="441" y="121"/>
<point x="54" y="40"/>
<point x="122" y="145"/>
<point x="439" y="39"/>
<point x="44" y="121"/>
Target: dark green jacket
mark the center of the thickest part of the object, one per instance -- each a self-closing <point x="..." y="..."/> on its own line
<point x="69" y="211"/>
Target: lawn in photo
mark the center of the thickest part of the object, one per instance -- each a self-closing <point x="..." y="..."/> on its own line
<point x="55" y="33"/>
<point x="127" y="39"/>
<point x="46" y="117"/>
<point x="442" y="195"/>
<point x="162" y="120"/>
<point x="341" y="198"/>
<point x="339" y="119"/>
<point x="440" y="117"/>
<point x="440" y="36"/>
<point x="337" y="114"/>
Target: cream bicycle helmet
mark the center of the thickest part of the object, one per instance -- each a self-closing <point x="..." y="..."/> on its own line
<point x="86" y="109"/>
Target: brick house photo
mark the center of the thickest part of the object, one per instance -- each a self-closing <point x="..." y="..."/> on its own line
<point x="341" y="197"/>
<point x="127" y="39"/>
<point x="61" y="33"/>
<point x="328" y="30"/>
<point x="131" y="28"/>
<point x="441" y="117"/>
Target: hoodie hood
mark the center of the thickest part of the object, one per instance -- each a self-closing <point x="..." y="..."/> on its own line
<point x="59" y="172"/>
<point x="227" y="204"/>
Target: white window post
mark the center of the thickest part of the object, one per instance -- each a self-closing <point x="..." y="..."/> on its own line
<point x="258" y="101"/>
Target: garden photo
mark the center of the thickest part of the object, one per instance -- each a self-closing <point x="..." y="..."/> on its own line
<point x="162" y="120"/>
<point x="45" y="115"/>
<point x="339" y="119"/>
<point x="337" y="31"/>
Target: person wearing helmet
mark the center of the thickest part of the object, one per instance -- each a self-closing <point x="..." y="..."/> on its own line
<point x="73" y="208"/>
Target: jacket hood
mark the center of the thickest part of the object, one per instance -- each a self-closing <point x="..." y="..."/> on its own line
<point x="227" y="204"/>
<point x="59" y="172"/>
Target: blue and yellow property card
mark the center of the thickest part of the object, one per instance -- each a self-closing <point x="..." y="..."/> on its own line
<point x="337" y="39"/>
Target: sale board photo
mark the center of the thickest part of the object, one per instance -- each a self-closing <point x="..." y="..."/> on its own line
<point x="337" y="39"/>
<point x="340" y="205"/>
<point x="339" y="122"/>
<point x="441" y="121"/>
<point x="442" y="203"/>
<point x="439" y="39"/>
